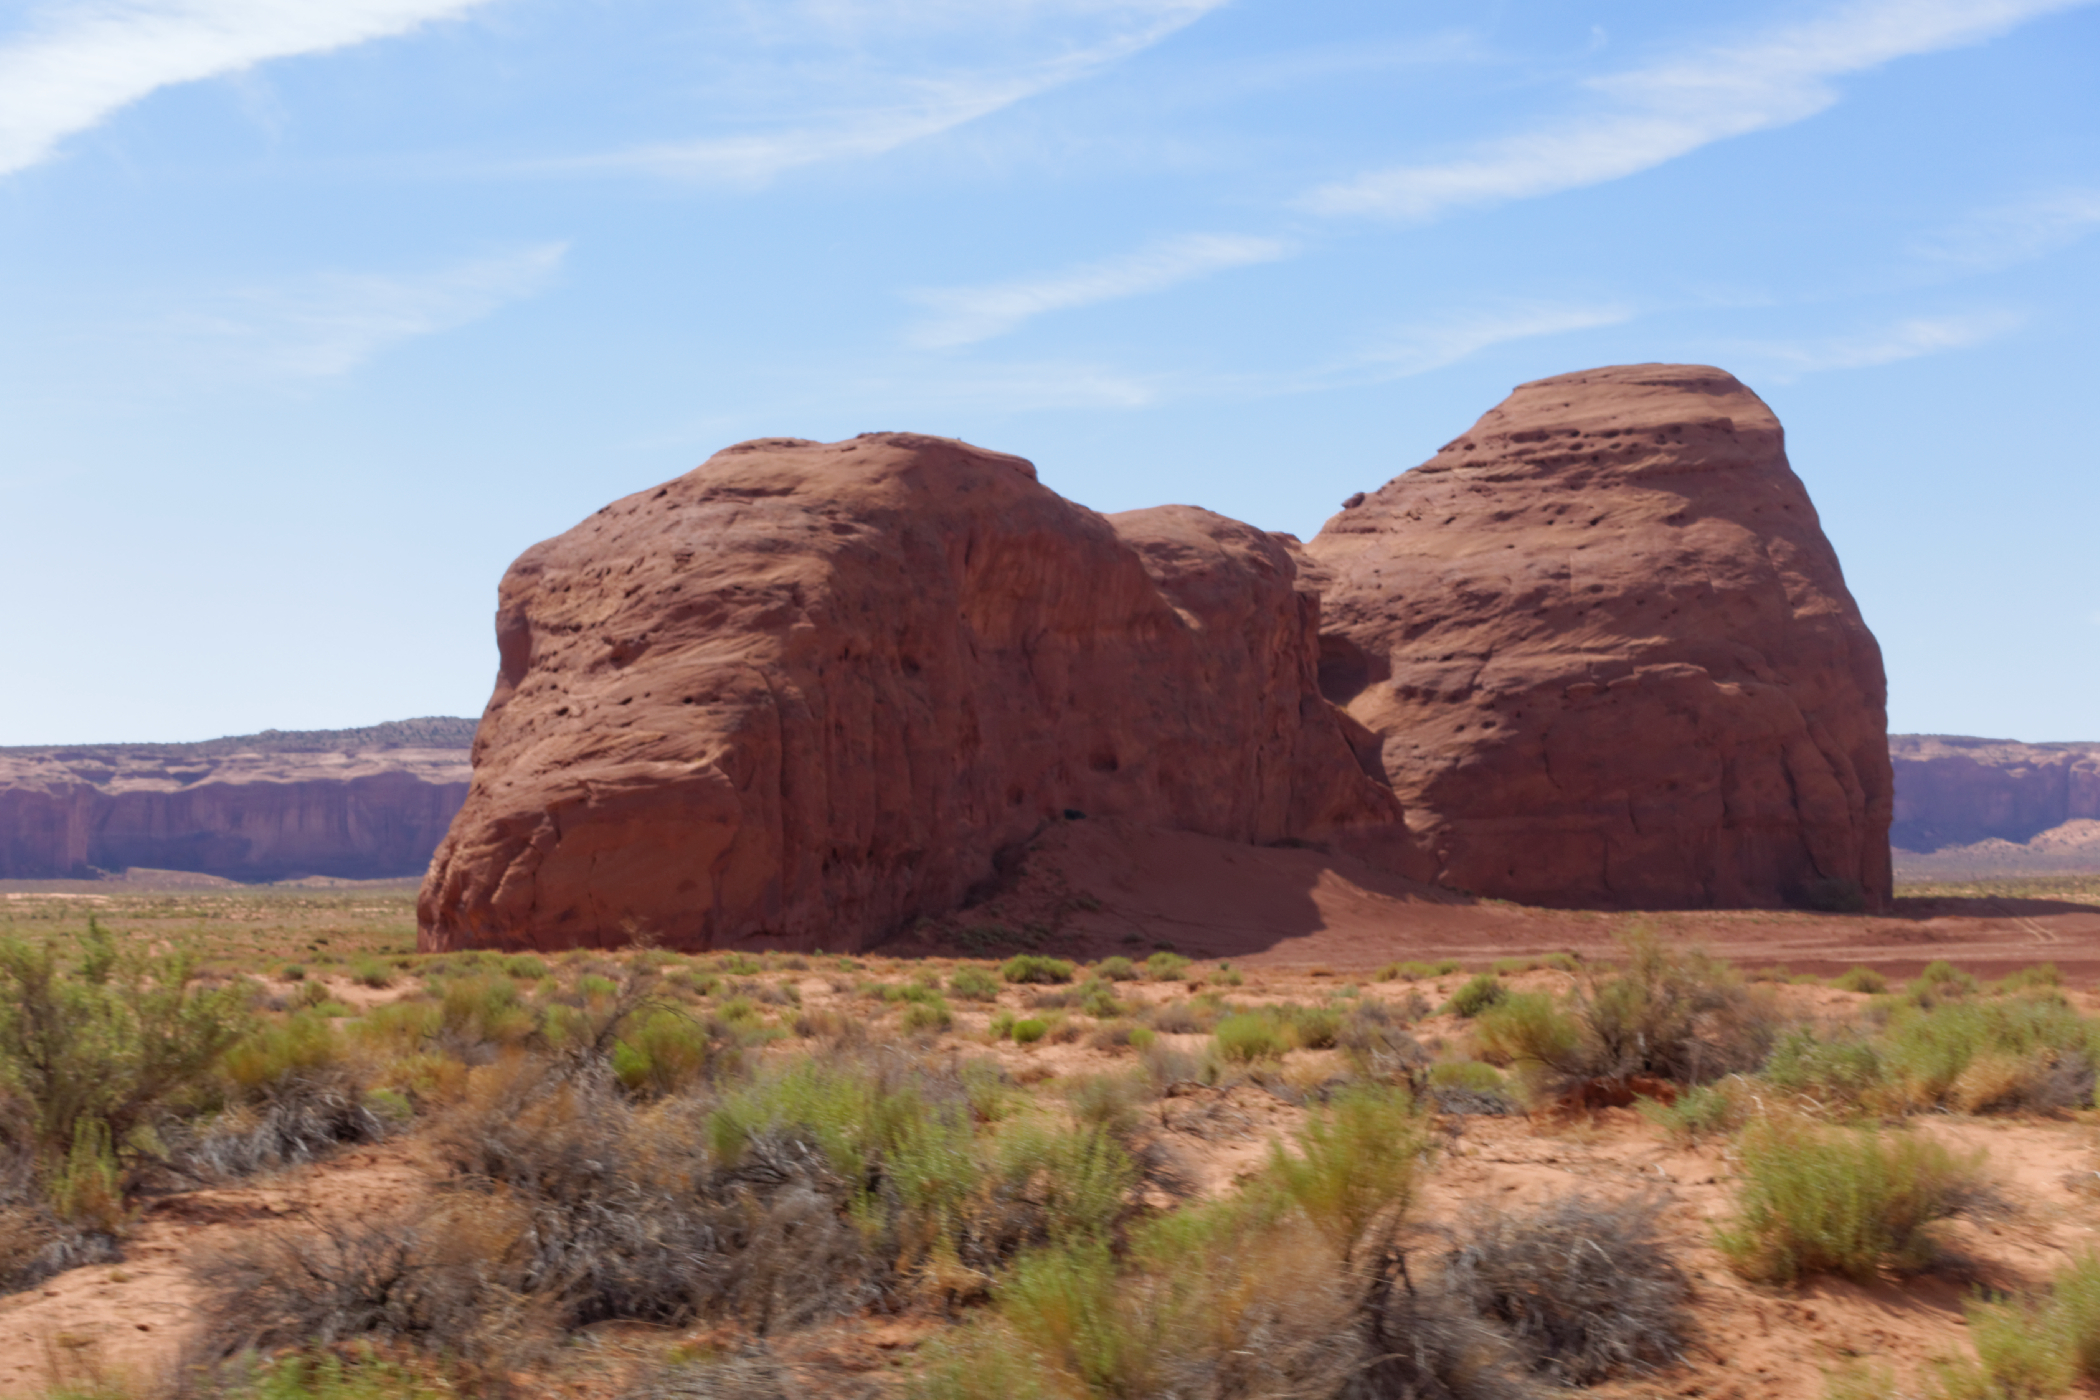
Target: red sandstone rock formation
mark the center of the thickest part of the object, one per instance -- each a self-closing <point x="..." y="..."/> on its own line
<point x="1611" y="656"/>
<point x="356" y="804"/>
<point x="813" y="692"/>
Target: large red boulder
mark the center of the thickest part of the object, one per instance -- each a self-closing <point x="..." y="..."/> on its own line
<point x="813" y="692"/>
<point x="1611" y="656"/>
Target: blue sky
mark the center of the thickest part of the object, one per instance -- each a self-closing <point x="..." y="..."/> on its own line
<point x="313" y="316"/>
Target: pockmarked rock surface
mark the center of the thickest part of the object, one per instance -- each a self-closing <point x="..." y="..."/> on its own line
<point x="1610" y="656"/>
<point x="354" y="804"/>
<point x="809" y="693"/>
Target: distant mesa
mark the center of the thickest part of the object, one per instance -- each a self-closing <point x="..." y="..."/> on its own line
<point x="1968" y="807"/>
<point x="1596" y="652"/>
<point x="343" y="803"/>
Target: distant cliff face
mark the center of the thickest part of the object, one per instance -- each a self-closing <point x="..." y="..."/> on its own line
<point x="1954" y="791"/>
<point x="355" y="804"/>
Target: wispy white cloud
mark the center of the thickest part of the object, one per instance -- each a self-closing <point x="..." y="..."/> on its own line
<point x="1405" y="351"/>
<point x="1664" y="110"/>
<point x="75" y="65"/>
<point x="1017" y="388"/>
<point x="965" y="315"/>
<point x="1907" y="339"/>
<point x="870" y="105"/>
<point x="2015" y="233"/>
<point x="1433" y="344"/>
<point x="331" y="324"/>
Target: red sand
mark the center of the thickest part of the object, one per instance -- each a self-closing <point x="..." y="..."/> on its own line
<point x="1091" y="888"/>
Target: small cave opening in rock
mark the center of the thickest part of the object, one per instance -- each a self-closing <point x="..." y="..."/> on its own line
<point x="1345" y="669"/>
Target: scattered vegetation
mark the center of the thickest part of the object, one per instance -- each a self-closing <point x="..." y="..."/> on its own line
<point x="1587" y="1289"/>
<point x="720" y="1142"/>
<point x="1849" y="1201"/>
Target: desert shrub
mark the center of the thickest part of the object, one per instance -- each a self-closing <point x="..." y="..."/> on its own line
<point x="923" y="1017"/>
<point x="816" y="1188"/>
<point x="101" y="1051"/>
<point x="2041" y="975"/>
<point x="1530" y="1031"/>
<point x="1242" y="1297"/>
<point x="2028" y="1051"/>
<point x="485" y="1007"/>
<point x="292" y="1103"/>
<point x="444" y="1280"/>
<point x="1229" y="976"/>
<point x="1587" y="1289"/>
<point x="372" y="972"/>
<point x="1314" y="1027"/>
<point x="292" y="972"/>
<point x="823" y="1023"/>
<point x="1667" y="1014"/>
<point x="663" y="1051"/>
<point x="1107" y="1101"/>
<point x="1483" y="991"/>
<point x="974" y="984"/>
<point x="1839" y="1200"/>
<point x="1864" y="980"/>
<point x="2020" y="1353"/>
<point x="1036" y="968"/>
<point x="1469" y="1087"/>
<point x="1416" y="971"/>
<point x="1167" y="1065"/>
<point x="1708" y="1109"/>
<point x="1164" y="966"/>
<point x="525" y="967"/>
<point x="1675" y="1015"/>
<point x="1183" y="1017"/>
<point x="1116" y="969"/>
<point x="1098" y="1000"/>
<point x="1029" y="1031"/>
<point x="1836" y="1071"/>
<point x="1376" y="1041"/>
<point x="1247" y="1036"/>
<point x="1354" y="1169"/>
<point x="1047" y="1185"/>
<point x="1940" y="981"/>
<point x="1002" y="1025"/>
<point x="2074" y="1313"/>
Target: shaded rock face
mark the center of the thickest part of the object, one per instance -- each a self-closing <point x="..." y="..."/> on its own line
<point x="353" y="804"/>
<point x="1956" y="791"/>
<point x="811" y="692"/>
<point x="1610" y="656"/>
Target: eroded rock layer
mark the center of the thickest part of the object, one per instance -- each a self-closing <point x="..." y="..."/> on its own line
<point x="1610" y="655"/>
<point x="356" y="804"/>
<point x="811" y="692"/>
<point x="1956" y="791"/>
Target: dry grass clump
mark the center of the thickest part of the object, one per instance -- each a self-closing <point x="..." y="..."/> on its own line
<point x="1666" y="1014"/>
<point x="448" y="1280"/>
<point x="1587" y="1289"/>
<point x="827" y="1183"/>
<point x="2027" y="1051"/>
<point x="1295" y="1288"/>
<point x="1847" y="1201"/>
